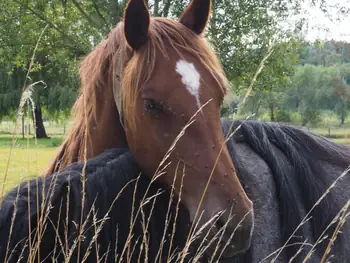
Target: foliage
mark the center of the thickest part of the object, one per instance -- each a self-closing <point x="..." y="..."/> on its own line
<point x="317" y="88"/>
<point x="240" y="31"/>
<point x="324" y="53"/>
<point x="312" y="90"/>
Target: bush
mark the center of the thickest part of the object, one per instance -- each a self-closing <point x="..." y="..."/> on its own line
<point x="282" y="116"/>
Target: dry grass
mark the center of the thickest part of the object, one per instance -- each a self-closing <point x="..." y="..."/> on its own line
<point x="202" y="233"/>
<point x="197" y="233"/>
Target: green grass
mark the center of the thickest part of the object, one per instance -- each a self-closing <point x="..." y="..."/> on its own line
<point x="53" y="141"/>
<point x="27" y="159"/>
<point x="24" y="164"/>
<point x="345" y="141"/>
<point x="332" y="132"/>
<point x="338" y="135"/>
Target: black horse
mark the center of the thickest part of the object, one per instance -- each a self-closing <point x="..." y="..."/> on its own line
<point x="109" y="204"/>
<point x="285" y="171"/>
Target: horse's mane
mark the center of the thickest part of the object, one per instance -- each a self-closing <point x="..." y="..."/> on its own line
<point x="110" y="199"/>
<point x="95" y="73"/>
<point x="101" y="69"/>
<point x="308" y="178"/>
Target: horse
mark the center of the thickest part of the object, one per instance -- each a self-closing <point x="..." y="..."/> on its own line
<point x="124" y="216"/>
<point x="156" y="87"/>
<point x="287" y="173"/>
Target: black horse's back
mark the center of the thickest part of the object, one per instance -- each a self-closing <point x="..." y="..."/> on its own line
<point x="298" y="168"/>
<point x="110" y="200"/>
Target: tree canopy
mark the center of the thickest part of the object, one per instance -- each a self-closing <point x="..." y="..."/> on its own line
<point x="241" y="32"/>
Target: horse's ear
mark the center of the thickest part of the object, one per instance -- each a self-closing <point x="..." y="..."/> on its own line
<point x="196" y="15"/>
<point x="136" y="23"/>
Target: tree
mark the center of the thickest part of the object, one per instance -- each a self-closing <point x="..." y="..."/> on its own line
<point x="311" y="91"/>
<point x="57" y="50"/>
<point x="273" y="83"/>
<point x="243" y="32"/>
<point x="240" y="31"/>
<point x="341" y="88"/>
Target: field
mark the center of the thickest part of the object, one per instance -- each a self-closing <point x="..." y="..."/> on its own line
<point x="338" y="135"/>
<point x="29" y="159"/>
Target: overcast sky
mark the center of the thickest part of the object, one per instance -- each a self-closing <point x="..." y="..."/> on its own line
<point x="338" y="30"/>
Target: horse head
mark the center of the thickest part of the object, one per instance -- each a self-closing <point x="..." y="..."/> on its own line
<point x="158" y="81"/>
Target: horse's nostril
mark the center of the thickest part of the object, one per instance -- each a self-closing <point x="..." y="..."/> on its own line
<point x="220" y="224"/>
<point x="232" y="201"/>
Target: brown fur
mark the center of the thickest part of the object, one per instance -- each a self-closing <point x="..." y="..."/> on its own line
<point x="94" y="81"/>
<point x="162" y="32"/>
<point x="147" y="73"/>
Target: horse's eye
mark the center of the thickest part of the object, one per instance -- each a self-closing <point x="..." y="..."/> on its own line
<point x="152" y="106"/>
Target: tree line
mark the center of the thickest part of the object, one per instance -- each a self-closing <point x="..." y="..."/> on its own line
<point x="319" y="82"/>
<point x="241" y="32"/>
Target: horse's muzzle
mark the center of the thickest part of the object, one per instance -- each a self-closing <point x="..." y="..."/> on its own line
<point x="237" y="240"/>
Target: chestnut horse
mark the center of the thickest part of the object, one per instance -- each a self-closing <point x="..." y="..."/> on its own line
<point x="149" y="81"/>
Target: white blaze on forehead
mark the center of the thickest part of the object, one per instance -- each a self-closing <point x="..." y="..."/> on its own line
<point x="190" y="77"/>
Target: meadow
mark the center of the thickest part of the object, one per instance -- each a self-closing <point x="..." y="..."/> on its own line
<point x="29" y="157"/>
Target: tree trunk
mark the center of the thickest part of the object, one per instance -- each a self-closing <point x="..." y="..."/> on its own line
<point x="272" y="112"/>
<point x="272" y="106"/>
<point x="156" y="8"/>
<point x="166" y="8"/>
<point x="256" y="110"/>
<point x="304" y="122"/>
<point x="342" y="118"/>
<point x="342" y="113"/>
<point x="39" y="123"/>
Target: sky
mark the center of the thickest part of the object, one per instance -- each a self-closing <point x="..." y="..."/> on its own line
<point x="321" y="27"/>
<point x="339" y="30"/>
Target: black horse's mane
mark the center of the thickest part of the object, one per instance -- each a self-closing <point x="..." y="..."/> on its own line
<point x="106" y="176"/>
<point x="307" y="180"/>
